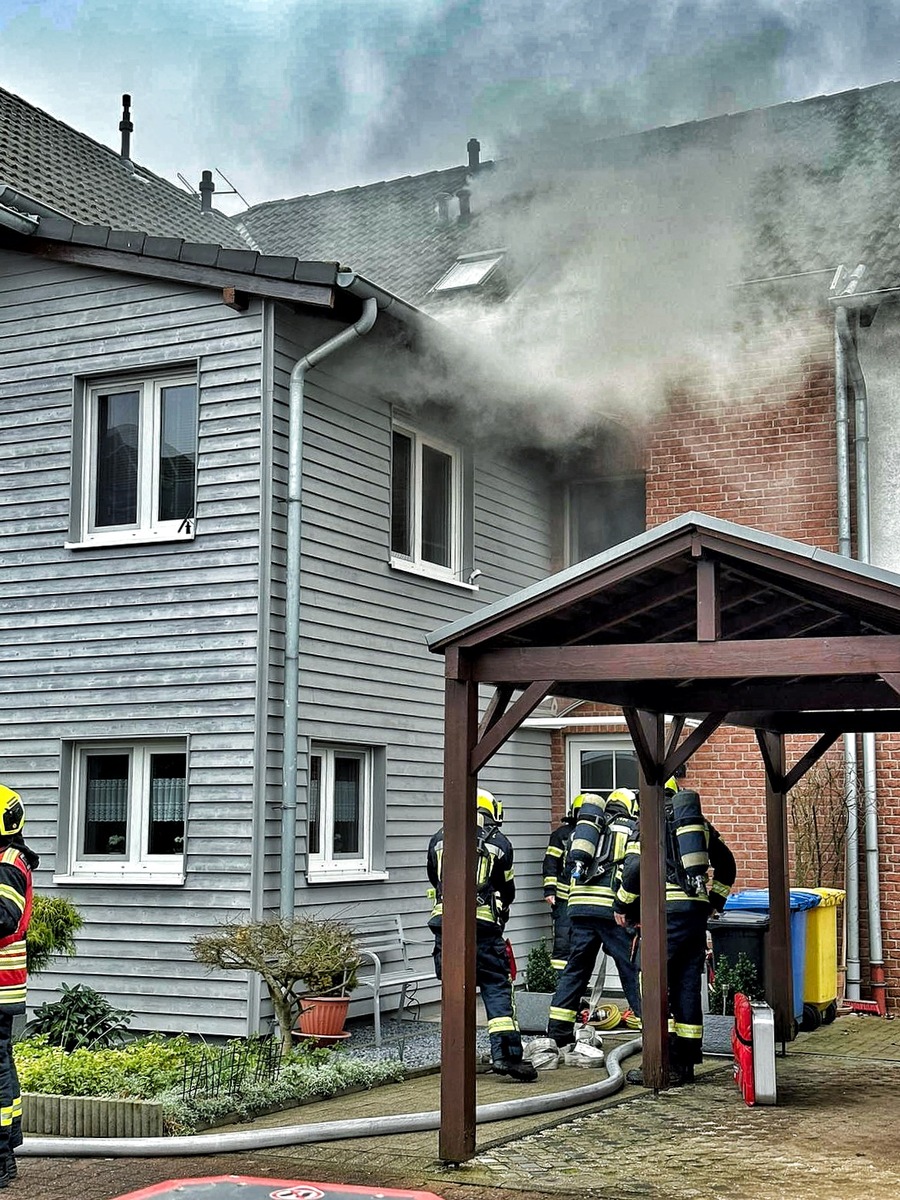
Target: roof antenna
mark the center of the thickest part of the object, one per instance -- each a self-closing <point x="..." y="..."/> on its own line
<point x="126" y="128"/>
<point x="234" y="191"/>
<point x="188" y="187"/>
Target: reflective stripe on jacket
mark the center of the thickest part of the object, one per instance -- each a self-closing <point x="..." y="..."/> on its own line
<point x="555" y="870"/>
<point x="15" y="915"/>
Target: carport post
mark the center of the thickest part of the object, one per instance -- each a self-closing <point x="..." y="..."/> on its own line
<point x="779" y="986"/>
<point x="648" y="734"/>
<point x="456" y="1140"/>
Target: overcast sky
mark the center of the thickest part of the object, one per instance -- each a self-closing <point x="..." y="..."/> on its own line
<point x="294" y="96"/>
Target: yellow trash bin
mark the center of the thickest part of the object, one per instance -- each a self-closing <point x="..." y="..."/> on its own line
<point x="820" y="980"/>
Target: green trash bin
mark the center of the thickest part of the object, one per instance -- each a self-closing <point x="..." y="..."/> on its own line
<point x="820" y="978"/>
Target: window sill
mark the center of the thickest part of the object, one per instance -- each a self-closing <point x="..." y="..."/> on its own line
<point x="345" y="876"/>
<point x="130" y="537"/>
<point x="409" y="568"/>
<point x="124" y="878"/>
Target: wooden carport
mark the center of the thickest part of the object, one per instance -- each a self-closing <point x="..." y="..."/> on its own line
<point x="699" y="618"/>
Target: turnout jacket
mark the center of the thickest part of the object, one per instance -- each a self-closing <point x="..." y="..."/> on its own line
<point x="495" y="877"/>
<point x="722" y="865"/>
<point x="555" y="869"/>
<point x="17" y="861"/>
<point x="595" y="898"/>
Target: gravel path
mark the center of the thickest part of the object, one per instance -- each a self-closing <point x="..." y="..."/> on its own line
<point x="416" y="1043"/>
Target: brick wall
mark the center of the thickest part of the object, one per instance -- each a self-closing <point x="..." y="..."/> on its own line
<point x="761" y="452"/>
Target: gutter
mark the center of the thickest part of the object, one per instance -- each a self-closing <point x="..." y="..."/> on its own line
<point x="291" y="730"/>
<point x="848" y="364"/>
<point x="16" y="221"/>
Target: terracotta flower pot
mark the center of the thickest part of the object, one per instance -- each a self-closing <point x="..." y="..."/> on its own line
<point x="323" y="1016"/>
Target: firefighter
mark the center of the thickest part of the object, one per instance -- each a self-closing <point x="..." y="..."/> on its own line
<point x="594" y="927"/>
<point x="17" y="861"/>
<point x="691" y="897"/>
<point x="556" y="884"/>
<point x="496" y="891"/>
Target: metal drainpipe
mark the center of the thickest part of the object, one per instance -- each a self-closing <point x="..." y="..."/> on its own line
<point x="845" y="547"/>
<point x="291" y="735"/>
<point x="863" y="539"/>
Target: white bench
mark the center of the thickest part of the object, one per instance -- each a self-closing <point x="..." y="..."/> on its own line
<point x="384" y="951"/>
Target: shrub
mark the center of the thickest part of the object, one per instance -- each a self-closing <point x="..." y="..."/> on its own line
<point x="81" y="1018"/>
<point x="729" y="980"/>
<point x="54" y="923"/>
<point x="156" y="1068"/>
<point x="540" y="974"/>
<point x="306" y="956"/>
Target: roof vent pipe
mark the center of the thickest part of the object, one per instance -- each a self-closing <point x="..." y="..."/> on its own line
<point x="465" y="206"/>
<point x="207" y="187"/>
<point x="126" y="128"/>
<point x="474" y="148"/>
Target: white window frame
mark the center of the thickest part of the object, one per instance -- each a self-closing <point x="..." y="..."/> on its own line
<point x="147" y="527"/>
<point x="414" y="561"/>
<point x="575" y="743"/>
<point x="136" y="865"/>
<point x="465" y="275"/>
<point x="325" y="866"/>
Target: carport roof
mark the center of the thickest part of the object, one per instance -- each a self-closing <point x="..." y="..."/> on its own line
<point x="701" y="616"/>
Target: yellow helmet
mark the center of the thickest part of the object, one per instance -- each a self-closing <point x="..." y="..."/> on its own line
<point x="490" y="806"/>
<point x="672" y="785"/>
<point x="12" y="812"/>
<point x="626" y="798"/>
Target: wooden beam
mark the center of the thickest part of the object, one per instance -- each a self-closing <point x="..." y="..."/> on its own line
<point x="709" y="618"/>
<point x="779" y="981"/>
<point x="202" y="276"/>
<point x="643" y="744"/>
<point x="654" y="950"/>
<point x="507" y="725"/>
<point x="892" y="679"/>
<point x="692" y="743"/>
<point x="674" y="734"/>
<point x="496" y="707"/>
<point x="763" y="695"/>
<point x="457" y="1130"/>
<point x="809" y="759"/>
<point x="764" y="658"/>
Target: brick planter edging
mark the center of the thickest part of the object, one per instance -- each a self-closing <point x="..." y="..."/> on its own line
<point x="90" y="1116"/>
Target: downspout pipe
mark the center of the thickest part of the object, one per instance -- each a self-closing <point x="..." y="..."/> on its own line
<point x="291" y="732"/>
<point x="851" y="766"/>
<point x="864" y="554"/>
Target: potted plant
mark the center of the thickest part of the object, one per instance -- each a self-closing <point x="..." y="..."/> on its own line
<point x="533" y="1000"/>
<point x="305" y="958"/>
<point x="726" y="981"/>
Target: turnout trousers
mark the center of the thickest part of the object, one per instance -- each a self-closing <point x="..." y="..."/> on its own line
<point x="686" y="959"/>
<point x="10" y="1093"/>
<point x="562" y="936"/>
<point x="590" y="936"/>
<point x="495" y="983"/>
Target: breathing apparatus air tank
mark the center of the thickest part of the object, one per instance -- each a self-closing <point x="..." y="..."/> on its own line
<point x="690" y="834"/>
<point x="587" y="836"/>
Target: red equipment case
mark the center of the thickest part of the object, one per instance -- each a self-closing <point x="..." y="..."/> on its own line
<point x="249" y="1187"/>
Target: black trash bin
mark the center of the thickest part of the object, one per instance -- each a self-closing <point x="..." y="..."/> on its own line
<point x="739" y="932"/>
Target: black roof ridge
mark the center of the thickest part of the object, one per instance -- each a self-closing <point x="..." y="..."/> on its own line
<point x="363" y="187"/>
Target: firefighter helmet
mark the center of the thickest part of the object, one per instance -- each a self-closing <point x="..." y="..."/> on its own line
<point x="626" y="798"/>
<point x="12" y="812"/>
<point x="491" y="807"/>
<point x="673" y="786"/>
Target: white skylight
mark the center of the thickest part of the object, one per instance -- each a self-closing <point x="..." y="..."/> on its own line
<point x="468" y="271"/>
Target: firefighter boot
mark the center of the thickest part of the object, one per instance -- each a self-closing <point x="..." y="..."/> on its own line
<point x="517" y="1069"/>
<point x="12" y="1167"/>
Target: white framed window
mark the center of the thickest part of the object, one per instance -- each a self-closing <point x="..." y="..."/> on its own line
<point x="600" y="763"/>
<point x="136" y="473"/>
<point x="426" y="504"/>
<point x="127" y="811"/>
<point x="345" y="825"/>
